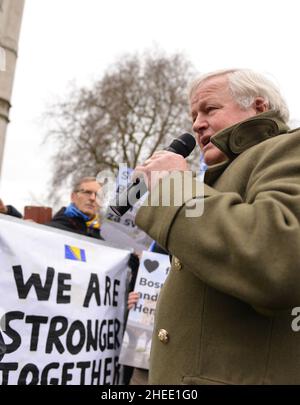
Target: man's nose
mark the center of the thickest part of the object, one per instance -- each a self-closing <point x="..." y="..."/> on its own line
<point x="200" y="124"/>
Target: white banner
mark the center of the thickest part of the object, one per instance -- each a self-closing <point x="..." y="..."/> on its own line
<point x="153" y="270"/>
<point x="62" y="303"/>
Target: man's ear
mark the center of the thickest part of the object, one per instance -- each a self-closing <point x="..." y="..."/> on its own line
<point x="73" y="196"/>
<point x="260" y="105"/>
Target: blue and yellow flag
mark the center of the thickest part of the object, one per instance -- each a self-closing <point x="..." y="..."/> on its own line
<point x="74" y="253"/>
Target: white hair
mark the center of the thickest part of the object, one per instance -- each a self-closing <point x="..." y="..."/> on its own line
<point x="78" y="182"/>
<point x="245" y="85"/>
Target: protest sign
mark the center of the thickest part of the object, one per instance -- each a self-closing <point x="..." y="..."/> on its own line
<point x="62" y="302"/>
<point x="153" y="270"/>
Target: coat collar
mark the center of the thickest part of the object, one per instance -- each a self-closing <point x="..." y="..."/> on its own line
<point x="241" y="136"/>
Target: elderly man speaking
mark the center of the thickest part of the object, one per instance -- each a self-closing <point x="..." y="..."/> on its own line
<point x="225" y="312"/>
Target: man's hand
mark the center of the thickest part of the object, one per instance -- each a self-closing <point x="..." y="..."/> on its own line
<point x="159" y="165"/>
<point x="3" y="208"/>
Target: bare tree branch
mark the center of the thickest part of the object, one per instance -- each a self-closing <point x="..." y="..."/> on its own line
<point x="138" y="105"/>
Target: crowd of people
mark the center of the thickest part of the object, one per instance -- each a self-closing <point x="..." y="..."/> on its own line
<point x="224" y="313"/>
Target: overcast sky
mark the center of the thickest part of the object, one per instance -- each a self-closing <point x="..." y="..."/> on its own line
<point x="67" y="40"/>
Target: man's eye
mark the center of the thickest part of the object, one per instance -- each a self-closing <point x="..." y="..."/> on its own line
<point x="210" y="108"/>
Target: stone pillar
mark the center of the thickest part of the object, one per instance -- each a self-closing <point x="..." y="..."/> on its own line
<point x="11" y="12"/>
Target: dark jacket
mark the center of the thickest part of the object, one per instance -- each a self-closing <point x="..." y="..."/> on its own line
<point x="74" y="224"/>
<point x="224" y="314"/>
<point x="13" y="212"/>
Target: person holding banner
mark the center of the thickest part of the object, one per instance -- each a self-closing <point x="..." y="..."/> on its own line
<point x="224" y="315"/>
<point x="140" y="376"/>
<point x="81" y="215"/>
<point x="134" y="375"/>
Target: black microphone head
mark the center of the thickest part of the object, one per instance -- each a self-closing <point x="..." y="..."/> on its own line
<point x="183" y="145"/>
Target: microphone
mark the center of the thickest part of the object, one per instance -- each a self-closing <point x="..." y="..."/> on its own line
<point x="183" y="145"/>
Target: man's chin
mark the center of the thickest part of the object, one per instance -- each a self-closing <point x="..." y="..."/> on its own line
<point x="209" y="158"/>
<point x="212" y="157"/>
<point x="89" y="213"/>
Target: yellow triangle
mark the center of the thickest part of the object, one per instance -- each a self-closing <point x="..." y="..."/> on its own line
<point x="76" y="251"/>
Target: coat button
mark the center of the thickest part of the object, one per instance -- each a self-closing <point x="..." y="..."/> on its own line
<point x="163" y="336"/>
<point x="177" y="264"/>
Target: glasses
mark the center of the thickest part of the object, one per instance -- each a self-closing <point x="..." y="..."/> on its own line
<point x="87" y="193"/>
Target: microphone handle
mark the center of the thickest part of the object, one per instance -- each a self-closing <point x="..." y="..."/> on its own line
<point x="129" y="197"/>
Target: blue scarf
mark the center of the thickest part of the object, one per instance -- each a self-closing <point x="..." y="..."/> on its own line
<point x="72" y="211"/>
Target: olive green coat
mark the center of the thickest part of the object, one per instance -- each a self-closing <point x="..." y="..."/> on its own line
<point x="224" y="313"/>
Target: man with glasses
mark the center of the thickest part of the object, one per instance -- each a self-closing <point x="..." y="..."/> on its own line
<point x="81" y="215"/>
